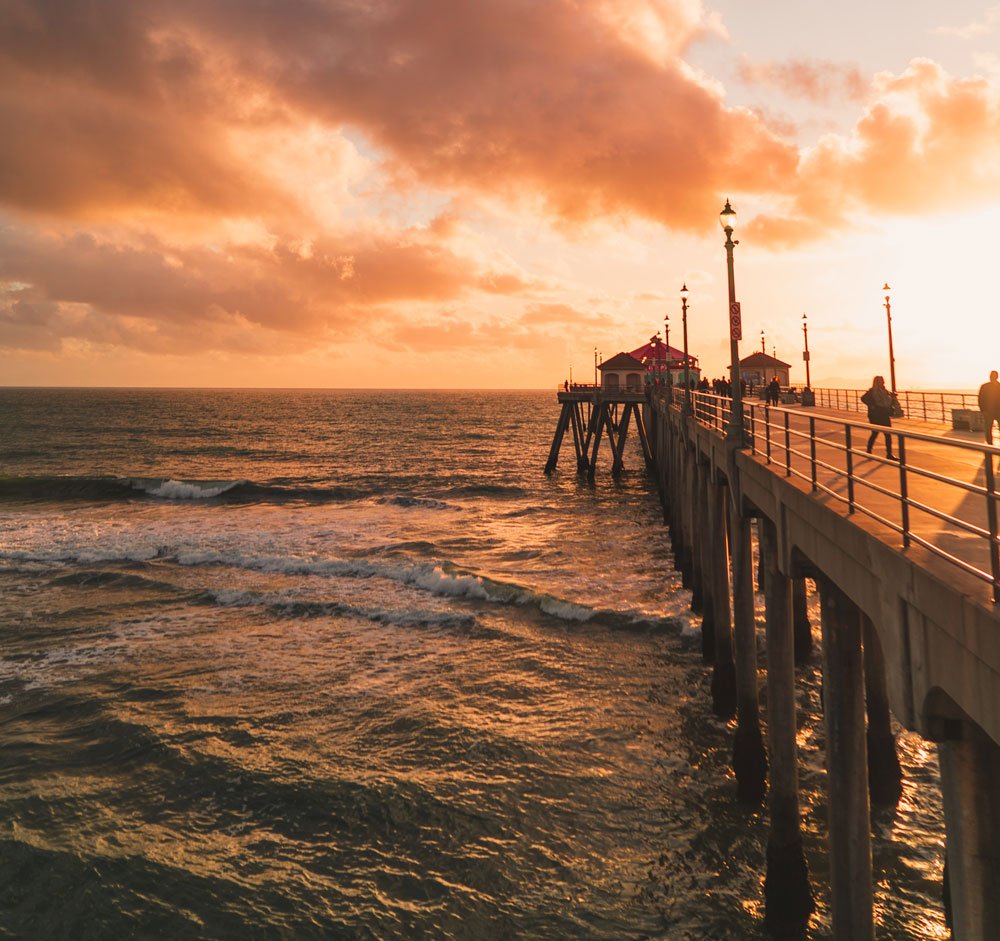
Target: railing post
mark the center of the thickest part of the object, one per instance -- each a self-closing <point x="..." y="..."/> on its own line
<point x="767" y="432"/>
<point x="991" y="515"/>
<point x="903" y="495"/>
<point x="812" y="450"/>
<point x="788" y="449"/>
<point x="850" y="469"/>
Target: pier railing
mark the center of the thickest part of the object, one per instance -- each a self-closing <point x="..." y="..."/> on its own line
<point x="911" y="493"/>
<point x="926" y="406"/>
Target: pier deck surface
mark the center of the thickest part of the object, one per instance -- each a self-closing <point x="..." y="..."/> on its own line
<point x="964" y="466"/>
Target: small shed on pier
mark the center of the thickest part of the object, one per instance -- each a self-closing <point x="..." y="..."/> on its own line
<point x="759" y="369"/>
<point x="622" y="372"/>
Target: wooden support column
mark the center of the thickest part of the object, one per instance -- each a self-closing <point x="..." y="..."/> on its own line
<point x="788" y="899"/>
<point x="598" y="420"/>
<point x="970" y="769"/>
<point x="579" y="438"/>
<point x="847" y="766"/>
<point x="800" y="616"/>
<point x="641" y="430"/>
<point x="885" y="776"/>
<point x="618" y="446"/>
<point x="561" y="426"/>
<point x="699" y="578"/>
<point x="703" y="549"/>
<point x="749" y="758"/>
<point x="724" y="667"/>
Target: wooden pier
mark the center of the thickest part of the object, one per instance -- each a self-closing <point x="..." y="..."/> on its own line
<point x="592" y="413"/>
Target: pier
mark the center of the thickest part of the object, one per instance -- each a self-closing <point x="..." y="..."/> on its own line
<point x="905" y="555"/>
<point x="590" y="413"/>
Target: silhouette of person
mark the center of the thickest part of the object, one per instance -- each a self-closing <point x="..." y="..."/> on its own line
<point x="879" y="402"/>
<point x="989" y="405"/>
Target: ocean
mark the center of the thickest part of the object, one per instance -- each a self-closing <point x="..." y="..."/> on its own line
<point x="337" y="664"/>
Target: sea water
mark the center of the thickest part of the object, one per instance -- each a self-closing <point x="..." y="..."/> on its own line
<point x="312" y="664"/>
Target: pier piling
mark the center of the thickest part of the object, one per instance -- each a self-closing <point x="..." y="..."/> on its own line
<point x="788" y="898"/>
<point x="847" y="762"/>
<point x="749" y="757"/>
<point x="885" y="777"/>
<point x="724" y="666"/>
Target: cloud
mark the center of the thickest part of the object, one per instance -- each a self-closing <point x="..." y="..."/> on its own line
<point x="143" y="293"/>
<point x="571" y="104"/>
<point x="974" y="28"/>
<point x="928" y="142"/>
<point x="820" y="82"/>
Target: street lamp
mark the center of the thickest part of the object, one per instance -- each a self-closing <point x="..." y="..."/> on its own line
<point x="727" y="219"/>
<point x="684" y="321"/>
<point x="805" y="352"/>
<point x="888" y="320"/>
<point x="666" y="352"/>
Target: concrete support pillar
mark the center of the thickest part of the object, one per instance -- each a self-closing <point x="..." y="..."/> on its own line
<point x="761" y="561"/>
<point x="687" y="524"/>
<point x="703" y="546"/>
<point x="970" y="770"/>
<point x="800" y="616"/>
<point x="749" y="758"/>
<point x="847" y="766"/>
<point x="885" y="776"/>
<point x="724" y="668"/>
<point x="788" y="899"/>
<point x="695" y="537"/>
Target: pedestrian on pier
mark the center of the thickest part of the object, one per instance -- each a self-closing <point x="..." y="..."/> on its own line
<point x="879" y="401"/>
<point x="989" y="405"/>
<point x="773" y="391"/>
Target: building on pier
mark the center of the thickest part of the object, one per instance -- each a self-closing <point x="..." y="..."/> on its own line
<point x="758" y="369"/>
<point x="666" y="364"/>
<point x="623" y="372"/>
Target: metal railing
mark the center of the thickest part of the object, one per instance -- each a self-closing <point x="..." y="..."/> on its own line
<point x="926" y="406"/>
<point x="954" y="519"/>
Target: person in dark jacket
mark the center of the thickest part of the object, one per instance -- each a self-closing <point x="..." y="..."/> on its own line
<point x="774" y="391"/>
<point x="879" y="401"/>
<point x="989" y="405"/>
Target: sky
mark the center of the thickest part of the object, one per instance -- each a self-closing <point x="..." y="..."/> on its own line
<point x="480" y="193"/>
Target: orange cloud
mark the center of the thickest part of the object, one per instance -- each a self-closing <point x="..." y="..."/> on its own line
<point x="146" y="294"/>
<point x="928" y="142"/>
<point x="566" y="102"/>
<point x="820" y="82"/>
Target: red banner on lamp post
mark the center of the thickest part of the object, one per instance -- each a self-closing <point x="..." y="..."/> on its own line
<point x="735" y="321"/>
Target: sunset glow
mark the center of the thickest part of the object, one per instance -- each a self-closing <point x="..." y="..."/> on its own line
<point x="436" y="193"/>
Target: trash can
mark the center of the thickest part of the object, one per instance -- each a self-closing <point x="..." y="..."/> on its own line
<point x="808" y="397"/>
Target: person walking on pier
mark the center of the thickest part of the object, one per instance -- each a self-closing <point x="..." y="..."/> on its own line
<point x="879" y="402"/>
<point x="989" y="405"/>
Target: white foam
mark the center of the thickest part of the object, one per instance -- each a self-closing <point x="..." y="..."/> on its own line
<point x="565" y="610"/>
<point x="184" y="490"/>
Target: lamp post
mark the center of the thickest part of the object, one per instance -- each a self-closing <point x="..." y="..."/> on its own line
<point x="684" y="322"/>
<point x="595" y="367"/>
<point x="762" y="342"/>
<point x="888" y="320"/>
<point x="727" y="219"/>
<point x="666" y="351"/>
<point x="805" y="352"/>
